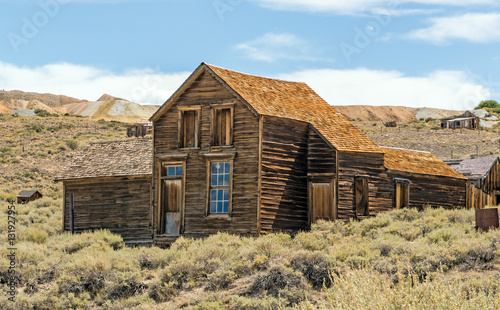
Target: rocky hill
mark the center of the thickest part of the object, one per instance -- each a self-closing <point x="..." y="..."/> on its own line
<point x="108" y="108"/>
<point x="365" y="113"/>
<point x="19" y="99"/>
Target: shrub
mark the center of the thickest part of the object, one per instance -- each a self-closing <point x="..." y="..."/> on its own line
<point x="275" y="280"/>
<point x="72" y="144"/>
<point x="38" y="127"/>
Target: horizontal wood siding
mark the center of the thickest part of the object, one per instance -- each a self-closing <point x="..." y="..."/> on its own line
<point x="120" y="205"/>
<point x="434" y="191"/>
<point x="284" y="175"/>
<point x="380" y="187"/>
<point x="206" y="91"/>
<point x="321" y="158"/>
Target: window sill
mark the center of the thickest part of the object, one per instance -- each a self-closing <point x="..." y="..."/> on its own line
<point x="221" y="147"/>
<point x="226" y="217"/>
<point x="187" y="149"/>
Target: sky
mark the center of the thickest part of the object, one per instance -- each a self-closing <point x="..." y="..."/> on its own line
<point x="415" y="53"/>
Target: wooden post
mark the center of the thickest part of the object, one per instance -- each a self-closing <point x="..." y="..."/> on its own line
<point x="71" y="214"/>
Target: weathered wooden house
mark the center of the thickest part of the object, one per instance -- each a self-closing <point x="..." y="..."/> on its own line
<point x="26" y="196"/>
<point x="250" y="155"/>
<point x="110" y="183"/>
<point x="468" y="120"/>
<point x="483" y="173"/>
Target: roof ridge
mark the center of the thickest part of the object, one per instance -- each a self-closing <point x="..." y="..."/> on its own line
<point x="253" y="75"/>
<point x="403" y="149"/>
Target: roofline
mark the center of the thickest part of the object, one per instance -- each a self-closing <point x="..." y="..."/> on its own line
<point x="138" y="176"/>
<point x="402" y="149"/>
<point x="395" y="171"/>
<point x="491" y="167"/>
<point x="177" y="93"/>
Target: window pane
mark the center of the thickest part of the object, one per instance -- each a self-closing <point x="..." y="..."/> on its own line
<point x="226" y="207"/>
<point x="226" y="167"/>
<point x="226" y="179"/>
<point x="213" y="207"/>
<point x="171" y="171"/>
<point x="178" y="170"/>
<point x="220" y="180"/>
<point x="219" y="207"/>
<point x="220" y="195"/>
<point x="214" y="180"/>
<point x="226" y="195"/>
<point x="213" y="196"/>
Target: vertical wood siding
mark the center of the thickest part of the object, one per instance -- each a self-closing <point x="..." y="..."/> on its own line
<point x="122" y="206"/>
<point x="284" y="175"/>
<point x="206" y="91"/>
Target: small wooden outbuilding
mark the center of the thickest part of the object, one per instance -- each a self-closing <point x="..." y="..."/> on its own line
<point x="468" y="120"/>
<point x="111" y="187"/>
<point x="26" y="196"/>
<point x="483" y="174"/>
<point x="140" y="129"/>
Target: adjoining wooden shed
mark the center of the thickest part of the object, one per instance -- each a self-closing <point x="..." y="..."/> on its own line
<point x="111" y="186"/>
<point x="483" y="174"/>
<point x="251" y="155"/>
<point x="26" y="196"/>
<point x="421" y="179"/>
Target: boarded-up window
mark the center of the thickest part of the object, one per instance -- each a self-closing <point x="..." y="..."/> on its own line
<point x="361" y="197"/>
<point x="222" y="123"/>
<point x="189" y="127"/>
<point x="402" y="193"/>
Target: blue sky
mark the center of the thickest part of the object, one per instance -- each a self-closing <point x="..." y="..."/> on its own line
<point x="420" y="53"/>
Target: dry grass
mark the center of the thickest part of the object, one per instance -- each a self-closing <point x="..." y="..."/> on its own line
<point x="404" y="259"/>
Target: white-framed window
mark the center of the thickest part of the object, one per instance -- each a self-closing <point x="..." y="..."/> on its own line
<point x="219" y="184"/>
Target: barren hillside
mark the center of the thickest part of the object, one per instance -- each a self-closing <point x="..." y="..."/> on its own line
<point x="108" y="108"/>
<point x="392" y="113"/>
<point x="20" y="99"/>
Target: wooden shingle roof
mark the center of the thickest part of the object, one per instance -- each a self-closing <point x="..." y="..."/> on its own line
<point x="291" y="100"/>
<point x="417" y="162"/>
<point x="109" y="159"/>
<point x="296" y="101"/>
<point x="476" y="167"/>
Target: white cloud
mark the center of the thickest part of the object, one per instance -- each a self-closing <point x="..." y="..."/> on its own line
<point x="474" y="27"/>
<point x="145" y="86"/>
<point x="357" y="6"/>
<point x="452" y="90"/>
<point x="275" y="46"/>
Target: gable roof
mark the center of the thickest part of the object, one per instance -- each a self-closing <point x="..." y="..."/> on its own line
<point x="291" y="100"/>
<point x="107" y="159"/>
<point x="476" y="167"/>
<point x="26" y="193"/>
<point x="417" y="162"/>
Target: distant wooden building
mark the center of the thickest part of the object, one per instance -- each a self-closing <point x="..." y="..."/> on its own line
<point x="467" y="121"/>
<point x="251" y="155"/>
<point x="111" y="187"/>
<point x="140" y="129"/>
<point x="483" y="173"/>
<point x="26" y="196"/>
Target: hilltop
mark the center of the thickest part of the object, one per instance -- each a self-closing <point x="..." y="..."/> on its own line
<point x="108" y="108"/>
<point x="366" y="113"/>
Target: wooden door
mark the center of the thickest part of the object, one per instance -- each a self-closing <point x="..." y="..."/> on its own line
<point x="322" y="201"/>
<point x="361" y="197"/>
<point x="171" y="207"/>
<point x="402" y="195"/>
